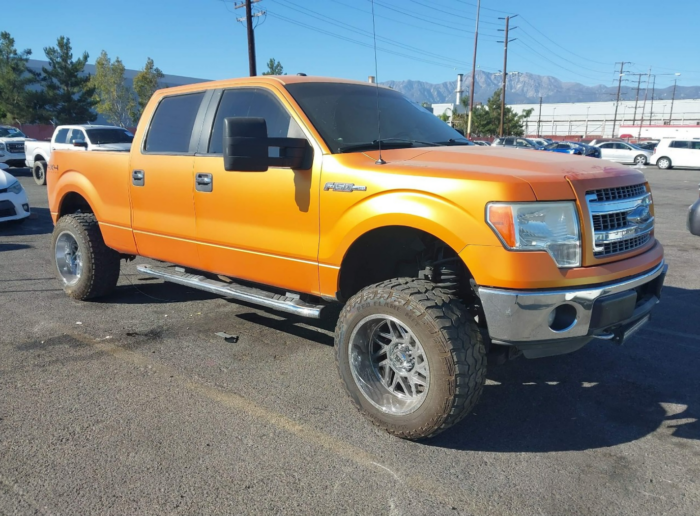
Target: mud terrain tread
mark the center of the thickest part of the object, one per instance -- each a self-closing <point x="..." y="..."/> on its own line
<point x="458" y="337"/>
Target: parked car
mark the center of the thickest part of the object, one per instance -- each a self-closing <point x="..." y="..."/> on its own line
<point x="565" y="148"/>
<point x="518" y="142"/>
<point x="12" y="142"/>
<point x="482" y="143"/>
<point x="694" y="218"/>
<point x="624" y="153"/>
<point x="676" y="152"/>
<point x="75" y="137"/>
<point x="437" y="249"/>
<point x="542" y="142"/>
<point x="14" y="205"/>
<point x="650" y="145"/>
<point x="590" y="150"/>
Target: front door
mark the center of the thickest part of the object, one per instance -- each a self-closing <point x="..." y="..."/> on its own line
<point x="161" y="182"/>
<point x="258" y="226"/>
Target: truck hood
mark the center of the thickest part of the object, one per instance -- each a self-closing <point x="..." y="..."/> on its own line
<point x="551" y="175"/>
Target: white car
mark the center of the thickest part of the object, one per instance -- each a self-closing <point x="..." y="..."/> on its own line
<point x="623" y="152"/>
<point x="672" y="152"/>
<point x="13" y="199"/>
<point x="79" y="138"/>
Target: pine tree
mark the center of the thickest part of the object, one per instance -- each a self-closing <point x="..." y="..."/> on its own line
<point x="274" y="68"/>
<point x="16" y="98"/>
<point x="68" y="95"/>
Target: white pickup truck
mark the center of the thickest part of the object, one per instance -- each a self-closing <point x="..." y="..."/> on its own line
<point x="12" y="142"/>
<point x="75" y="137"/>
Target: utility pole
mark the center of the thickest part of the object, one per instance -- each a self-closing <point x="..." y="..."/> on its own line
<point x="653" y="90"/>
<point x="539" y="118"/>
<point x="619" y="86"/>
<point x="673" y="97"/>
<point x="471" y="90"/>
<point x="636" y="99"/>
<point x="641" y="120"/>
<point x="505" y="72"/>
<point x="249" y="15"/>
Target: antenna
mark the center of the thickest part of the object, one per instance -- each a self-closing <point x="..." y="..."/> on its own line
<point x="380" y="161"/>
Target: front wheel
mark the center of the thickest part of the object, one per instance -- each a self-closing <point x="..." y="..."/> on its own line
<point x="39" y="172"/>
<point x="663" y="163"/>
<point x="85" y="265"/>
<point x="410" y="357"/>
<point x="640" y="160"/>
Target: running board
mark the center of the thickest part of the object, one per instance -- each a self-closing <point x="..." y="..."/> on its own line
<point x="252" y="295"/>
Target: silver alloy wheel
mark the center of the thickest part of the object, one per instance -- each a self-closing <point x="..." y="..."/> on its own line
<point x="388" y="364"/>
<point x="69" y="259"/>
<point x="640" y="160"/>
<point x="663" y="163"/>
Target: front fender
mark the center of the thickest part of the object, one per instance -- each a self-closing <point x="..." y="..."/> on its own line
<point x="454" y="225"/>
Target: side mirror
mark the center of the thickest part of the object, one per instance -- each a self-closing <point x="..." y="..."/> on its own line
<point x="80" y="143"/>
<point x="246" y="147"/>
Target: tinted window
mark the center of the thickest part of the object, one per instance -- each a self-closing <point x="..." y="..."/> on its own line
<point x="695" y="145"/>
<point x="562" y="146"/>
<point x="346" y="116"/>
<point x="104" y="136"/>
<point x="172" y="124"/>
<point x="76" y="135"/>
<point x="621" y="146"/>
<point x="61" y="136"/>
<point x="256" y="103"/>
<point x="680" y="145"/>
<point x="608" y="146"/>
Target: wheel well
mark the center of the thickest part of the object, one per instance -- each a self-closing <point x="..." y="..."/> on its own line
<point x="72" y="203"/>
<point x="399" y="251"/>
<point x="39" y="157"/>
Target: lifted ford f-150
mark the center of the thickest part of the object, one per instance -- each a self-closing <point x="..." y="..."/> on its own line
<point x="442" y="252"/>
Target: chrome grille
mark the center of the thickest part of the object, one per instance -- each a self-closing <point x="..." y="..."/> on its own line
<point x="619" y="192"/>
<point x="608" y="221"/>
<point x="621" y="219"/>
<point x="623" y="245"/>
<point x="15" y="147"/>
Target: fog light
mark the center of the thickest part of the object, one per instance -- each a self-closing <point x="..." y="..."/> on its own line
<point x="562" y="318"/>
<point x="25" y="207"/>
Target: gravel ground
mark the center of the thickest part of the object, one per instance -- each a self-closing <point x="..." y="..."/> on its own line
<point x="132" y="405"/>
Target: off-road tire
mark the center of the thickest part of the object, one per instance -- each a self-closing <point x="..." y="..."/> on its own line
<point x="453" y="343"/>
<point x="664" y="163"/>
<point x="39" y="172"/>
<point x="100" y="263"/>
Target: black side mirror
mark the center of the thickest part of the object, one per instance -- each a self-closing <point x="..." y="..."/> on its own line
<point x="246" y="147"/>
<point x="80" y="143"/>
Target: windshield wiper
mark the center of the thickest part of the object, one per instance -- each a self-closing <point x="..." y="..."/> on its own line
<point x="387" y="143"/>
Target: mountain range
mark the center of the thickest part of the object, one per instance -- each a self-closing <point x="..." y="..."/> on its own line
<point x="527" y="88"/>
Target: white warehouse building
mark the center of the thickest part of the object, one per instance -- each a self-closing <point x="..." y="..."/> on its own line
<point x="596" y="118"/>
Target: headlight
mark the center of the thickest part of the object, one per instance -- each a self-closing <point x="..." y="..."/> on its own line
<point x="539" y="226"/>
<point x="15" y="188"/>
<point x="2" y="146"/>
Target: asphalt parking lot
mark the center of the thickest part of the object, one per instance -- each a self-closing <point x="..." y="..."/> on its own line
<point x="132" y="405"/>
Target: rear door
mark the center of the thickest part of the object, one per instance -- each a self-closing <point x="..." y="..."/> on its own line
<point x="161" y="180"/>
<point x="680" y="153"/>
<point x="607" y="151"/>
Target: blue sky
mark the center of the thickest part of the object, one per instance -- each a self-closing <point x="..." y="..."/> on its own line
<point x="429" y="40"/>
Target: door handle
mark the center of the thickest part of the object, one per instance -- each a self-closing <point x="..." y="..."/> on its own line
<point x="138" y="178"/>
<point x="204" y="182"/>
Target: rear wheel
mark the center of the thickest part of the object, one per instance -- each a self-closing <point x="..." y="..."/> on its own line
<point x="85" y="265"/>
<point x="39" y="172"/>
<point x="410" y="357"/>
<point x="640" y="160"/>
<point x="663" y="163"/>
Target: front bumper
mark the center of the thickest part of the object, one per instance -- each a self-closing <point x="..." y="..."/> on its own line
<point x="694" y="218"/>
<point x="552" y="322"/>
<point x="14" y="207"/>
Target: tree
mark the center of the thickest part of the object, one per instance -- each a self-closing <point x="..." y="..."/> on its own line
<point x="145" y="85"/>
<point x="16" y="99"/>
<point x="486" y="120"/>
<point x="274" y="68"/>
<point x="115" y="101"/>
<point x="68" y="95"/>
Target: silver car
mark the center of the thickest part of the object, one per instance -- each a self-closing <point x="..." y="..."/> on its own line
<point x="624" y="153"/>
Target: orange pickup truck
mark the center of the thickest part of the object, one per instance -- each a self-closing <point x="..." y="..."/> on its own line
<point x="443" y="253"/>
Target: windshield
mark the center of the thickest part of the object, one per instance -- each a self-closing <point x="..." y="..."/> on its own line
<point x="11" y="132"/>
<point x="104" y="136"/>
<point x="346" y="117"/>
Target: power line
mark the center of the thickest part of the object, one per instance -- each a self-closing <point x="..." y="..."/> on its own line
<point x="556" y="64"/>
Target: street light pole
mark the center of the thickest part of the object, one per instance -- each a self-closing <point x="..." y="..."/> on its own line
<point x="673" y="96"/>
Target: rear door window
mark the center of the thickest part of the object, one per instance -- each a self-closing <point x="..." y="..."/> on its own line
<point x="253" y="102"/>
<point x="61" y="136"/>
<point x="677" y="144"/>
<point x="608" y="146"/>
<point x="173" y="123"/>
<point x="76" y="135"/>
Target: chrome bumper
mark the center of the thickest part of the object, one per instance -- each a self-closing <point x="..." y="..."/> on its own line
<point x="525" y="318"/>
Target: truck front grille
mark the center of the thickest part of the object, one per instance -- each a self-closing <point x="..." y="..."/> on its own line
<point x="618" y="193"/>
<point x="621" y="219"/>
<point x="15" y="147"/>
